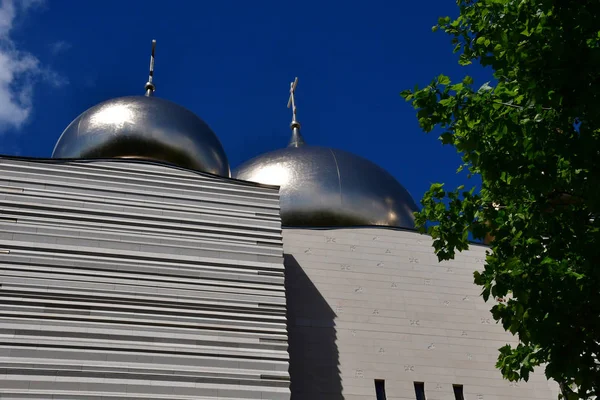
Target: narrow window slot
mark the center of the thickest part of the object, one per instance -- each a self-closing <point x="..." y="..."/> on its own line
<point x="420" y="390"/>
<point x="380" y="389"/>
<point x="458" y="392"/>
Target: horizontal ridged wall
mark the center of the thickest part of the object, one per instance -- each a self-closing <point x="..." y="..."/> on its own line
<point x="133" y="280"/>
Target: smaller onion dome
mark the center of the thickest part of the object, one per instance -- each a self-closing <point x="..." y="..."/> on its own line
<point x="144" y="127"/>
<point x="320" y="186"/>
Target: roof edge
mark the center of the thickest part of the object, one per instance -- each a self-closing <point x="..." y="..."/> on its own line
<point x="387" y="227"/>
<point x="134" y="160"/>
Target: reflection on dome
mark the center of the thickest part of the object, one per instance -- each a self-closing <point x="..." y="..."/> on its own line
<point x="145" y="128"/>
<point x="118" y="115"/>
<point x="392" y="217"/>
<point x="276" y="174"/>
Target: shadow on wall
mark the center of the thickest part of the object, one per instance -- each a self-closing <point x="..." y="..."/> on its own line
<point x="314" y="359"/>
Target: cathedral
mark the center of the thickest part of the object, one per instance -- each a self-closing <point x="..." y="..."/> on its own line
<point x="136" y="264"/>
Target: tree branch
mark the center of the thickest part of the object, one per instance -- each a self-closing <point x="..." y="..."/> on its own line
<point x="520" y="107"/>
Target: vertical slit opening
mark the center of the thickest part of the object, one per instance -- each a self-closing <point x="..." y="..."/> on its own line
<point x="420" y="390"/>
<point x="380" y="389"/>
<point x="458" y="392"/>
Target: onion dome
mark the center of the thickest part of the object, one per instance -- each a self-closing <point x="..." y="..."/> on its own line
<point x="144" y="127"/>
<point x="321" y="186"/>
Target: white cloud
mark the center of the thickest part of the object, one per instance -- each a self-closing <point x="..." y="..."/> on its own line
<point x="19" y="69"/>
<point x="59" y="47"/>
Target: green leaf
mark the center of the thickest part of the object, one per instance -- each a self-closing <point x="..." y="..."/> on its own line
<point x="443" y="20"/>
<point x="547" y="260"/>
<point x="443" y="80"/>
<point x="457" y="87"/>
<point x="447" y="138"/>
<point x="464" y="60"/>
<point x="407" y="94"/>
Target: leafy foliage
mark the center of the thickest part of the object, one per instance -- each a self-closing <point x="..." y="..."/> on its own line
<point x="533" y="136"/>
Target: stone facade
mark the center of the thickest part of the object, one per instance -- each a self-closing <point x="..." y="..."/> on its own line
<point x="132" y="280"/>
<point x="370" y="304"/>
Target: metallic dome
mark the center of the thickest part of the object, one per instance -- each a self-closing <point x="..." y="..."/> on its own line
<point x="146" y="128"/>
<point x="320" y="186"/>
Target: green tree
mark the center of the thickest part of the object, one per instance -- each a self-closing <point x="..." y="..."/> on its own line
<point x="533" y="137"/>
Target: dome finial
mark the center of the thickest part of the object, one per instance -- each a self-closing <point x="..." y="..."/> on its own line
<point x="297" y="140"/>
<point x="150" y="88"/>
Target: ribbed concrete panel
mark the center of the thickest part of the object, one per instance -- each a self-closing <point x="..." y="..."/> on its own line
<point x="132" y="280"/>
<point x="368" y="303"/>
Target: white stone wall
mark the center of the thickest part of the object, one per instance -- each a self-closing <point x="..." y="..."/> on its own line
<point x="374" y="303"/>
<point x="131" y="280"/>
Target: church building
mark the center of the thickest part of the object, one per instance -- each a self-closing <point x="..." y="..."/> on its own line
<point x="135" y="264"/>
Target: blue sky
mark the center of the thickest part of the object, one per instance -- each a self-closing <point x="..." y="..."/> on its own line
<point x="231" y="63"/>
